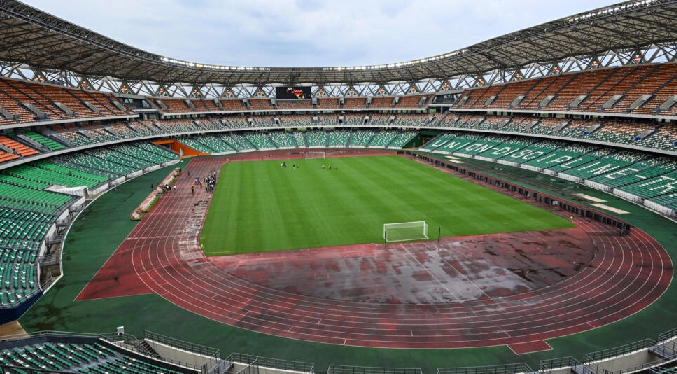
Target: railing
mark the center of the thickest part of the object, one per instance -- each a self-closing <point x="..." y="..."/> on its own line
<point x="182" y="344"/>
<point x="667" y="335"/>
<point x="633" y="369"/>
<point x="273" y="363"/>
<point x="347" y="369"/>
<point x="491" y="369"/>
<point x="619" y="351"/>
<point x="251" y="368"/>
<point x="556" y="363"/>
<point x="42" y="333"/>
<point x="253" y="362"/>
<point x="129" y="341"/>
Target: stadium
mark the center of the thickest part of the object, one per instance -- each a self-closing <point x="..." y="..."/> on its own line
<point x="509" y="207"/>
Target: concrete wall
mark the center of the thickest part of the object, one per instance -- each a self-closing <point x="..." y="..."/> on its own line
<point x="262" y="370"/>
<point x="625" y="362"/>
<point x="180" y="356"/>
<point x="63" y="217"/>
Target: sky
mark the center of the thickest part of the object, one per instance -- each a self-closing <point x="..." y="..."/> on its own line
<point x="307" y="32"/>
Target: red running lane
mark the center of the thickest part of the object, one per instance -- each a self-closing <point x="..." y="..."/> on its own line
<point x="626" y="275"/>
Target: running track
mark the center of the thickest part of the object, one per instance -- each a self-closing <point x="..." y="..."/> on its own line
<point x="162" y="255"/>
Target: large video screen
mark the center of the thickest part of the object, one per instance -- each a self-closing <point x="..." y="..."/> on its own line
<point x="292" y="93"/>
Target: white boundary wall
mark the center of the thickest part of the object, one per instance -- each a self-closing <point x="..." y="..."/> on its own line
<point x="63" y="217"/>
<point x="100" y="189"/>
<point x="73" y="191"/>
<point x="77" y="205"/>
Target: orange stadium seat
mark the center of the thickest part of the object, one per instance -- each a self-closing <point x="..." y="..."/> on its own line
<point x="355" y="103"/>
<point x="18" y="147"/>
<point x="232" y="105"/>
<point x="327" y="103"/>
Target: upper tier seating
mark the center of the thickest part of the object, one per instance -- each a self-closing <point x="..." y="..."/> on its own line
<point x="411" y="101"/>
<point x="382" y="103"/>
<point x="174" y="105"/>
<point x="209" y="105"/>
<point x="23" y="95"/>
<point x="62" y="96"/>
<point x="327" y="103"/>
<point x="544" y="87"/>
<point x="587" y="91"/>
<point x="199" y="105"/>
<point x="355" y="103"/>
<point x="582" y="84"/>
<point x="260" y="104"/>
<point x="663" y="74"/>
<point x="232" y="105"/>
<point x="479" y="98"/>
<point x="17" y="96"/>
<point x="102" y="101"/>
<point x="509" y="93"/>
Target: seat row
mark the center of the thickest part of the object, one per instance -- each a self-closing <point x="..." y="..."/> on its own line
<point x="652" y="178"/>
<point x="640" y="89"/>
<point x="82" y="357"/>
<point x="33" y="102"/>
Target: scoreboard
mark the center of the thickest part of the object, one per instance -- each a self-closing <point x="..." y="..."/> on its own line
<point x="292" y="93"/>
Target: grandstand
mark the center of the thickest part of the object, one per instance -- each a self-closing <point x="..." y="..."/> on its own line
<point x="586" y="103"/>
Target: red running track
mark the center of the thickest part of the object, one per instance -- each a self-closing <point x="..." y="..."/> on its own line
<point x="626" y="274"/>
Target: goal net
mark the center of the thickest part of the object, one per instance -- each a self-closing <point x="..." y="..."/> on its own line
<point x="316" y="154"/>
<point x="405" y="231"/>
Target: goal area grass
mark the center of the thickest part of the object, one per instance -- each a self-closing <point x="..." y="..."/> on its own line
<point x="259" y="207"/>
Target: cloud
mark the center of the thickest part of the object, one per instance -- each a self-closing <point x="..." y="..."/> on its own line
<point x="307" y="32"/>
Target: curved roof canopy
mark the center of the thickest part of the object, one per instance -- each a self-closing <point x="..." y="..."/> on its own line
<point x="42" y="41"/>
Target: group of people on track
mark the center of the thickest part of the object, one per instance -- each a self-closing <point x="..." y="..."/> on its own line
<point x="209" y="182"/>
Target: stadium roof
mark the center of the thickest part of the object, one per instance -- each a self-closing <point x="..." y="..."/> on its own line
<point x="42" y="41"/>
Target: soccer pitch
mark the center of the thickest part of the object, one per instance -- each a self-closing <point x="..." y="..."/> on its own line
<point x="259" y="207"/>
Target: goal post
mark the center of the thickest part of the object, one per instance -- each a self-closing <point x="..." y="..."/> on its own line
<point x="314" y="154"/>
<point x="405" y="231"/>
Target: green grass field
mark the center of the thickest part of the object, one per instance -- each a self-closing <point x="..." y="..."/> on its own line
<point x="260" y="207"/>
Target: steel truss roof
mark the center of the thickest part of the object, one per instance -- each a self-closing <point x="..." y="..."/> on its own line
<point x="630" y="32"/>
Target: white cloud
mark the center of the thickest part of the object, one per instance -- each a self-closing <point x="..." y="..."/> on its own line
<point x="307" y="32"/>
